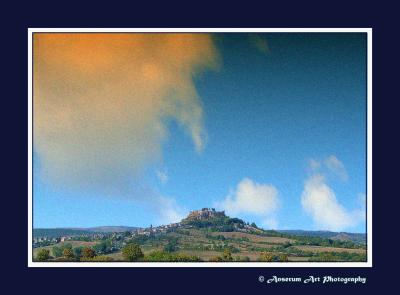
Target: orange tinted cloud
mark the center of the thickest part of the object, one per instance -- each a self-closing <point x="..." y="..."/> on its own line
<point x="101" y="101"/>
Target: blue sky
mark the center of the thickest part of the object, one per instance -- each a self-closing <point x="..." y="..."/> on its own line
<point x="285" y="125"/>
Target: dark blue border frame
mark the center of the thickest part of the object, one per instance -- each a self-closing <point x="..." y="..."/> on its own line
<point x="16" y="20"/>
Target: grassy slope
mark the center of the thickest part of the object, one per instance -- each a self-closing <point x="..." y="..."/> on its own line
<point x="249" y="245"/>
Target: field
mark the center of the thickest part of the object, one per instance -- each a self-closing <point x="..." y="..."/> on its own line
<point x="318" y="249"/>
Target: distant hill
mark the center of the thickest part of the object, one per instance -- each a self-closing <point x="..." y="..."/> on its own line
<point x="111" y="229"/>
<point x="58" y="232"/>
<point x="359" y="238"/>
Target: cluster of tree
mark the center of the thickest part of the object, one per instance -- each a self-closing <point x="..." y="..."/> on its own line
<point x="287" y="249"/>
<point x="58" y="251"/>
<point x="172" y="245"/>
<point x="312" y="240"/>
<point x="222" y="247"/>
<point x="318" y="241"/>
<point x="225" y="257"/>
<point x="104" y="247"/>
<point x="66" y="252"/>
<point x="132" y="252"/>
<point x="220" y="224"/>
<point x="152" y="238"/>
<point x="43" y="255"/>
<point x="270" y="257"/>
<point x="253" y="224"/>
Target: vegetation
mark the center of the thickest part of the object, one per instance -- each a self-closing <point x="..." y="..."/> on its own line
<point x="265" y="257"/>
<point x="103" y="247"/>
<point x="242" y="259"/>
<point x="222" y="238"/>
<point x="162" y="256"/>
<point x="58" y="251"/>
<point x="78" y="251"/>
<point x="88" y="252"/>
<point x="172" y="245"/>
<point x="221" y="224"/>
<point x="132" y="252"/>
<point x="283" y="258"/>
<point x="101" y="258"/>
<point x="338" y="256"/>
<point x="67" y="253"/>
<point x="225" y="257"/>
<point x="58" y="232"/>
<point x="43" y="255"/>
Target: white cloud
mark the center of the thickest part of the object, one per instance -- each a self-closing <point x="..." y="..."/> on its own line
<point x="162" y="176"/>
<point x="102" y="102"/>
<point x="169" y="211"/>
<point x="251" y="198"/>
<point x="314" y="165"/>
<point x="337" y="167"/>
<point x="319" y="200"/>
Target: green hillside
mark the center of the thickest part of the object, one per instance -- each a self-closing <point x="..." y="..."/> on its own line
<point x="209" y="236"/>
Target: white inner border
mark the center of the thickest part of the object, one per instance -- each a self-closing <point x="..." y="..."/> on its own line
<point x="207" y="264"/>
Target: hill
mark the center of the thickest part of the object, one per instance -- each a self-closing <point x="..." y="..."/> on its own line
<point x="111" y="229"/>
<point x="58" y="232"/>
<point x="360" y="238"/>
<point x="209" y="235"/>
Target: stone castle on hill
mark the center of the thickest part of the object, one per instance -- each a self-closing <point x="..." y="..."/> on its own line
<point x="204" y="214"/>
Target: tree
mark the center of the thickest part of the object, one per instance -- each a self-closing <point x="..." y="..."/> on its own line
<point x="254" y="225"/>
<point x="132" y="252"/>
<point x="227" y="255"/>
<point x="88" y="252"/>
<point x="283" y="258"/>
<point x="103" y="247"/>
<point x="265" y="257"/>
<point x="43" y="255"/>
<point x="67" y="253"/>
<point x="171" y="246"/>
<point x="57" y="251"/>
<point x="78" y="251"/>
